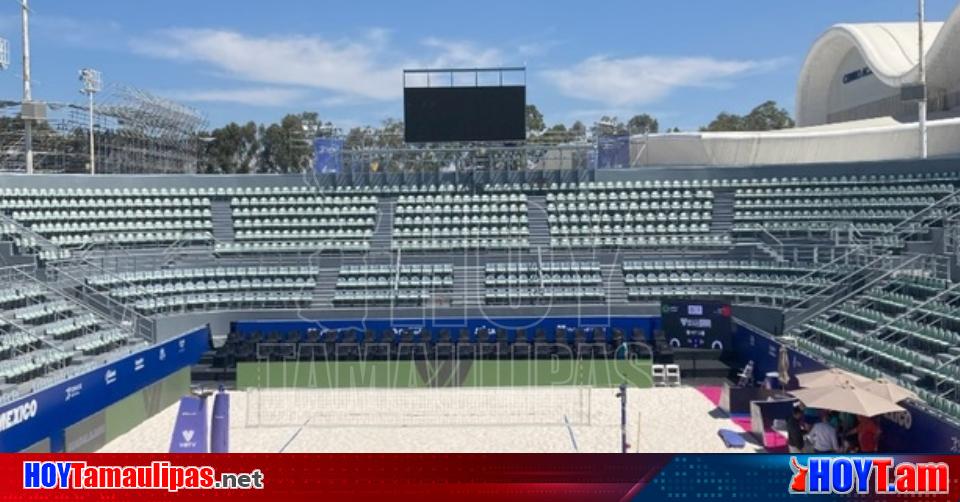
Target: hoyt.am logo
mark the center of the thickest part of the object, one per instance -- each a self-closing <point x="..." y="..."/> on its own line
<point x="875" y="475"/>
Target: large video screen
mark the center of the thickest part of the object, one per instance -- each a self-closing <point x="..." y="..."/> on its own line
<point x="694" y="324"/>
<point x="444" y="114"/>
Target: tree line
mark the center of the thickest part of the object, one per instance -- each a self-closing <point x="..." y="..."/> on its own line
<point x="286" y="146"/>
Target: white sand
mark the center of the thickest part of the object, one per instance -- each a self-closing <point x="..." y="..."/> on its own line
<point x="524" y="419"/>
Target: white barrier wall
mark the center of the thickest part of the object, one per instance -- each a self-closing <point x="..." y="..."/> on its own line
<point x="889" y="140"/>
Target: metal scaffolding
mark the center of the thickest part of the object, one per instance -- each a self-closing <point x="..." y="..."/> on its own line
<point x="135" y="132"/>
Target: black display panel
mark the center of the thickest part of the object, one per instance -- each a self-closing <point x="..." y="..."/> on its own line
<point x="444" y="114"/>
<point x="694" y="324"/>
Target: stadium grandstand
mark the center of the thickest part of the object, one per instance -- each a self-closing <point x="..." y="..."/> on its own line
<point x="844" y="265"/>
<point x="644" y="307"/>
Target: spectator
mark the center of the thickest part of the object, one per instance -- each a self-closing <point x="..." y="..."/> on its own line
<point x="796" y="428"/>
<point x="823" y="436"/>
<point x="868" y="434"/>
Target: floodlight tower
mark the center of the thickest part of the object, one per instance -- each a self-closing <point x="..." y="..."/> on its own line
<point x="27" y="95"/>
<point x="90" y="79"/>
<point x="922" y="77"/>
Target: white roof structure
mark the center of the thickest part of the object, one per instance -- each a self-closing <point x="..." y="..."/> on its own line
<point x="888" y="49"/>
<point x="848" y="105"/>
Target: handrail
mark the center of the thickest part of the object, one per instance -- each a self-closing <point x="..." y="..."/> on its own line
<point x="793" y="324"/>
<point x="880" y="327"/>
<point x="897" y="230"/>
<point x="907" y="227"/>
<point x="32" y="330"/>
<point x="776" y="240"/>
<point x="44" y="243"/>
<point x="86" y="307"/>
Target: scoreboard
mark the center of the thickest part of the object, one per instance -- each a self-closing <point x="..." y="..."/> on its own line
<point x="693" y="324"/>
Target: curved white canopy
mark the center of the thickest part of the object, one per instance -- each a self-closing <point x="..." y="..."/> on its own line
<point x="889" y="49"/>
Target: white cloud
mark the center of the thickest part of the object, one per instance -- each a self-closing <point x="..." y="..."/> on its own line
<point x="363" y="69"/>
<point x="341" y="67"/>
<point x="458" y="54"/>
<point x="646" y="79"/>
<point x="264" y="96"/>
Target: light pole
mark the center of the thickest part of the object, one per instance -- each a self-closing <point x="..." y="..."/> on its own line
<point x="922" y="77"/>
<point x="27" y="95"/>
<point x="90" y="79"/>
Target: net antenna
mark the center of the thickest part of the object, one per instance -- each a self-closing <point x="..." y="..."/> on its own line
<point x="91" y="83"/>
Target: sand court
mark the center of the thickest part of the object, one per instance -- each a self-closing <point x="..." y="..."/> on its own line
<point x="517" y="419"/>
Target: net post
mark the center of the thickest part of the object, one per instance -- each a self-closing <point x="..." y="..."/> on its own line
<point x="622" y="394"/>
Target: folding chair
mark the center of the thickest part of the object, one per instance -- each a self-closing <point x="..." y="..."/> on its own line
<point x="658" y="375"/>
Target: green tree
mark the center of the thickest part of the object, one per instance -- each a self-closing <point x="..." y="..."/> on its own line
<point x="609" y="126"/>
<point x="765" y="117"/>
<point x="643" y="124"/>
<point x="286" y="146"/>
<point x="725" y="122"/>
<point x="390" y="134"/>
<point x="535" y="124"/>
<point x="768" y="117"/>
<point x="360" y="138"/>
<point x="231" y="149"/>
<point x="578" y="130"/>
<point x="558" y="133"/>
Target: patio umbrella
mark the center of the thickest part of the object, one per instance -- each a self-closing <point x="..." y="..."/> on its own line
<point x="828" y="377"/>
<point x="783" y="366"/>
<point x="846" y="397"/>
<point x="887" y="390"/>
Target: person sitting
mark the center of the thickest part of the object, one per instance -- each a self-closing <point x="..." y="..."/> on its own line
<point x="823" y="436"/>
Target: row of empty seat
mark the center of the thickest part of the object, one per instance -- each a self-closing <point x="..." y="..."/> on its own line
<point x="907" y="329"/>
<point x="656" y="242"/>
<point x="458" y="244"/>
<point x="385" y="285"/>
<point x="225" y="301"/>
<point x="148" y="290"/>
<point x="298" y="247"/>
<point x="42" y="331"/>
<point x="737" y="293"/>
<point x="543" y="282"/>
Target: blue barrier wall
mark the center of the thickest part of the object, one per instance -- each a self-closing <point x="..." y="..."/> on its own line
<point x="46" y="413"/>
<point x="916" y="431"/>
<point x="548" y="324"/>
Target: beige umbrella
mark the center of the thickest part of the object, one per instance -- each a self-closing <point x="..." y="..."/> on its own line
<point x="887" y="390"/>
<point x="783" y="366"/>
<point x="846" y="397"/>
<point x="828" y="378"/>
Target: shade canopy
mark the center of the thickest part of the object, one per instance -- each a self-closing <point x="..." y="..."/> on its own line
<point x="847" y="398"/>
<point x="829" y="378"/>
<point x="888" y="390"/>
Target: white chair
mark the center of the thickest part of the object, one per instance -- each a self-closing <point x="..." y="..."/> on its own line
<point x="672" y="376"/>
<point x="658" y="375"/>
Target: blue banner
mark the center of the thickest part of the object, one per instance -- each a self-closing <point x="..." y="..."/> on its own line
<point x="613" y="152"/>
<point x="220" y="423"/>
<point x="190" y="432"/>
<point x="327" y="155"/>
<point x="46" y="413"/>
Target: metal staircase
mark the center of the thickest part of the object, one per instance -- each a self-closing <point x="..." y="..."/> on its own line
<point x="538" y="222"/>
<point x="221" y="215"/>
<point x="383" y="232"/>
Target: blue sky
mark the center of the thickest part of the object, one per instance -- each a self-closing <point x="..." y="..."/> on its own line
<point x="682" y="61"/>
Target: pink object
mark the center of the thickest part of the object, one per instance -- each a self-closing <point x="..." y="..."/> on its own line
<point x="773" y="441"/>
